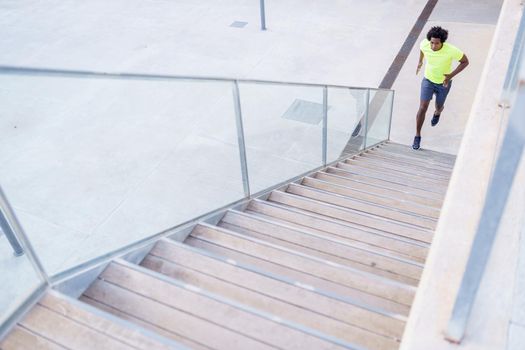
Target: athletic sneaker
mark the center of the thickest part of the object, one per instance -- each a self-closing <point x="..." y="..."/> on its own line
<point x="417" y="141"/>
<point x="435" y="120"/>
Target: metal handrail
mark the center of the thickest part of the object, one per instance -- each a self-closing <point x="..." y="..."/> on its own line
<point x="497" y="196"/>
<point x="15" y="70"/>
<point x="514" y="65"/>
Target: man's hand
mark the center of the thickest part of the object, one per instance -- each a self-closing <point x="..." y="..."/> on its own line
<point x="463" y="62"/>
<point x="448" y="77"/>
<point x="419" y="65"/>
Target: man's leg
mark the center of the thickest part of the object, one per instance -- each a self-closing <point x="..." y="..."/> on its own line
<point x="438" y="109"/>
<point x="441" y="96"/>
<point x="427" y="90"/>
<point x="420" y="119"/>
<point x="420" y="116"/>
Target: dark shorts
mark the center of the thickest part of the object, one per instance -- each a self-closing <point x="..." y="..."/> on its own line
<point x="429" y="88"/>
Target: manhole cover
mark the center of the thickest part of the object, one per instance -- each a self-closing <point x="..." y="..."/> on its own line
<point x="305" y="111"/>
<point x="238" y="24"/>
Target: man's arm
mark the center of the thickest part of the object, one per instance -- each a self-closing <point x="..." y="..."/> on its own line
<point x="420" y="63"/>
<point x="463" y="63"/>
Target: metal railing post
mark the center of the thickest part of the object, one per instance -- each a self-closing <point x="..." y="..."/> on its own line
<point x="240" y="139"/>
<point x="366" y="116"/>
<point x="19" y="231"/>
<point x="17" y="248"/>
<point x="391" y="113"/>
<point x="325" y="123"/>
<point x="263" y="15"/>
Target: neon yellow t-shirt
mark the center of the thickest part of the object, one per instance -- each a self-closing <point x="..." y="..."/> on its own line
<point x="439" y="62"/>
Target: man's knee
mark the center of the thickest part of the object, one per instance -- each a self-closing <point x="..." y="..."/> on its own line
<point x="423" y="106"/>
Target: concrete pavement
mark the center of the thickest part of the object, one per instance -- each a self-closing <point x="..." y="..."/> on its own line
<point x="90" y="165"/>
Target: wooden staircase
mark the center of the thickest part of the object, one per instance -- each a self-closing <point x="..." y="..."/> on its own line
<point x="330" y="262"/>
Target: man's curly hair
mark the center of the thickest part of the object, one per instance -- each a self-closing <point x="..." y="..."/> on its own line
<point x="437" y="32"/>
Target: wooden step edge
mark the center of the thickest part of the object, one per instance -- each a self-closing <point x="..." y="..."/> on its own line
<point x="430" y="222"/>
<point x="396" y="245"/>
<point x="435" y="202"/>
<point x="381" y="157"/>
<point x="443" y="155"/>
<point x="401" y="229"/>
<point x="363" y="229"/>
<point x="406" y="148"/>
<point x="377" y="160"/>
<point x="395" y="201"/>
<point x="329" y="239"/>
<point x="415" y="156"/>
<point x="236" y="305"/>
<point x="344" y="255"/>
<point x="409" y="181"/>
<point x="280" y="302"/>
<point x="130" y="329"/>
<point x="413" y="172"/>
<point x="363" y="274"/>
<point x="410" y="154"/>
<point x="365" y="164"/>
<point x="369" y="210"/>
<point x="351" y="241"/>
<point x="300" y="285"/>
<point x="412" y="157"/>
<point x="21" y="338"/>
<point x="422" y="192"/>
<point x="364" y="172"/>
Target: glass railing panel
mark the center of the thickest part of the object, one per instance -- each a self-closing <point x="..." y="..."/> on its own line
<point x="346" y="111"/>
<point x="283" y="127"/>
<point x="92" y="164"/>
<point x="379" y="116"/>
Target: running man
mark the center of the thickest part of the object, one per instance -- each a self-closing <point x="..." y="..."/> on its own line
<point x="438" y="75"/>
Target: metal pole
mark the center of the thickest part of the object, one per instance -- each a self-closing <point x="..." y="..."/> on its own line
<point x="240" y="139"/>
<point x="17" y="248"/>
<point x="366" y="116"/>
<point x="325" y="123"/>
<point x="263" y="16"/>
<point x="391" y="112"/>
<point x="18" y="230"/>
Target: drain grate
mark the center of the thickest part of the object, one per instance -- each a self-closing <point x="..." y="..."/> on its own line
<point x="305" y="111"/>
<point x="238" y="24"/>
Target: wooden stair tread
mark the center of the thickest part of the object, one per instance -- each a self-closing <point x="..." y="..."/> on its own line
<point x="385" y="184"/>
<point x="186" y="308"/>
<point x="357" y="205"/>
<point x="393" y="160"/>
<point x="65" y="322"/>
<point x="350" y="277"/>
<point x="378" y="190"/>
<point x="366" y="160"/>
<point x="284" y="299"/>
<point x="357" y="218"/>
<point x="22" y="338"/>
<point x="337" y="251"/>
<point x="445" y="157"/>
<point x="340" y="228"/>
<point x="371" y="198"/>
<point x="435" y="188"/>
<point x="327" y="235"/>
